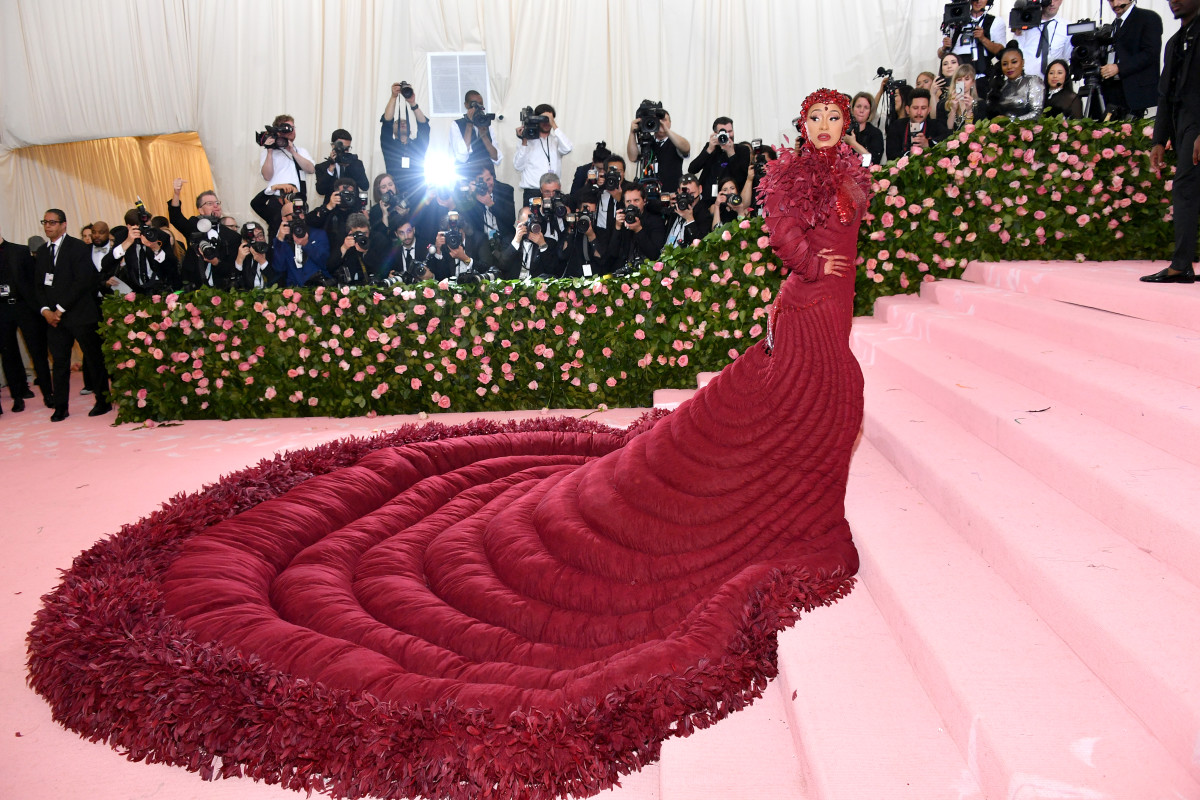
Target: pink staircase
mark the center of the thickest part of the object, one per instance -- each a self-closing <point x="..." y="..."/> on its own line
<point x="1026" y="500"/>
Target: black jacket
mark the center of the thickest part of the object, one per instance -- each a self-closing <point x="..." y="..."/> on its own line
<point x="1137" y="44"/>
<point x="715" y="166"/>
<point x="410" y="180"/>
<point x="1178" y="119"/>
<point x="625" y="247"/>
<point x="899" y="138"/>
<point x="17" y="272"/>
<point x="194" y="270"/>
<point x="69" y="283"/>
<point x="355" y="171"/>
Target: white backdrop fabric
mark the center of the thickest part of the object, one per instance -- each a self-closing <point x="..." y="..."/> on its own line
<point x="75" y="70"/>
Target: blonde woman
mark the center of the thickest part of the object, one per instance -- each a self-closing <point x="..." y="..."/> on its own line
<point x="963" y="103"/>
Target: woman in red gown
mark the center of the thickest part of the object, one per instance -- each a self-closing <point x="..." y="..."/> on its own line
<point x="522" y="613"/>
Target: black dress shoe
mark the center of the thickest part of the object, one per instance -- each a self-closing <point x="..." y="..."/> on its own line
<point x="99" y="409"/>
<point x="1165" y="276"/>
<point x="48" y="402"/>
<point x="27" y="394"/>
<point x="59" y="415"/>
<point x="19" y="405"/>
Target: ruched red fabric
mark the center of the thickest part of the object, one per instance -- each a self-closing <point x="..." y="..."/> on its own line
<point x="530" y="613"/>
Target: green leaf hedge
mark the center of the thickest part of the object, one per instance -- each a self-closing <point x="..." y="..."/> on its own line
<point x="1051" y="189"/>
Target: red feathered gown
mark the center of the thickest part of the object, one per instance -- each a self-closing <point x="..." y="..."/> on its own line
<point x="530" y="614"/>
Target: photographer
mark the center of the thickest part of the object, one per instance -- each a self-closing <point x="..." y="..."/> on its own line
<point x="690" y="219"/>
<point x="977" y="43"/>
<point x="393" y="257"/>
<point x="341" y="164"/>
<point x="493" y="211"/>
<point x="612" y="191"/>
<point x="142" y="257"/>
<point x="553" y="204"/>
<point x="863" y="137"/>
<point x="587" y="176"/>
<point x="528" y="254"/>
<point x="254" y="270"/>
<point x="212" y="248"/>
<point x="1043" y="43"/>
<point x="343" y="201"/>
<point x="390" y="209"/>
<point x="917" y="129"/>
<point x="471" y="135"/>
<point x="729" y="204"/>
<point x="281" y="161"/>
<point x="299" y="257"/>
<point x="543" y="144"/>
<point x="638" y="235"/>
<point x="460" y="253"/>
<point x="403" y="149"/>
<point x="268" y="204"/>
<point x="1130" y="84"/>
<point x="666" y="149"/>
<point x="348" y="263"/>
<point x="721" y="157"/>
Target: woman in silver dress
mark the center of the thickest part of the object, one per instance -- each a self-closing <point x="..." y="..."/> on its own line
<point x="1019" y="96"/>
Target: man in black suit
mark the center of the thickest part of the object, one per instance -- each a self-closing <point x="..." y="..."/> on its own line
<point x="689" y="219"/>
<point x="214" y="264"/>
<point x="341" y="164"/>
<point x="1130" y="83"/>
<point x="722" y="157"/>
<point x="1178" y="124"/>
<point x="67" y="282"/>
<point x="918" y="129"/>
<point x="639" y="234"/>
<point x="144" y="260"/>
<point x="17" y="313"/>
<point x="493" y="213"/>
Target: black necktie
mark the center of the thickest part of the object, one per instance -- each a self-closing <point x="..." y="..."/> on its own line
<point x="1043" y="50"/>
<point x="53" y="253"/>
<point x="1116" y="27"/>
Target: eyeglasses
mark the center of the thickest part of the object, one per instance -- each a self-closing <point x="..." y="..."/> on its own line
<point x="53" y="221"/>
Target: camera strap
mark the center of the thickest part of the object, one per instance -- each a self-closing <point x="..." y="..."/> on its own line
<point x="299" y="175"/>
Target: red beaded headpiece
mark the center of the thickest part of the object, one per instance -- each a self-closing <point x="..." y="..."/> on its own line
<point x="829" y="97"/>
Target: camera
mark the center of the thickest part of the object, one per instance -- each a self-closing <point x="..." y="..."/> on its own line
<point x="1026" y="14"/>
<point x="650" y="116"/>
<point x="480" y="187"/>
<point x="350" y="200"/>
<point x="299" y="224"/>
<point x="632" y="213"/>
<point x="722" y="137"/>
<point x="206" y="249"/>
<point x="558" y="206"/>
<point x="453" y="234"/>
<point x="612" y="179"/>
<point x="684" y="199"/>
<point x="1090" y="51"/>
<point x="406" y="90"/>
<point x="539" y="218"/>
<point x="342" y="154"/>
<point x="249" y="234"/>
<point x="393" y="200"/>
<point x="955" y="15"/>
<point x="482" y="119"/>
<point x="532" y="123"/>
<point x="892" y="84"/>
<point x="275" y="134"/>
<point x="360" y="239"/>
<point x="149" y="232"/>
<point x="580" y="222"/>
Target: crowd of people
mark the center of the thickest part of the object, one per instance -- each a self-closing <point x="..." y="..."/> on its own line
<point x="326" y="222"/>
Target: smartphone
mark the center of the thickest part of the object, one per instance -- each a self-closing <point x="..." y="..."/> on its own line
<point x="959" y="88"/>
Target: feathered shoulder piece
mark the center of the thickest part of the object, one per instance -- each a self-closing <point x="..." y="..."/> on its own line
<point x="799" y="192"/>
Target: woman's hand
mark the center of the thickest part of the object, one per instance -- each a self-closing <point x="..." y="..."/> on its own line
<point x="835" y="264"/>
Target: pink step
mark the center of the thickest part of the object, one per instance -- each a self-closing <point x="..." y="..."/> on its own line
<point x="748" y="754"/>
<point x="704" y="377"/>
<point x="1133" y="623"/>
<point x="1129" y="485"/>
<point x="863" y="725"/>
<point x="1031" y="718"/>
<point x="1166" y="350"/>
<point x="1110" y="286"/>
<point x="671" y="398"/>
<point x="1159" y="410"/>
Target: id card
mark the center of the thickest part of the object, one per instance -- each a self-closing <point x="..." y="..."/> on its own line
<point x="587" y="270"/>
<point x="49" y="279"/>
<point x="5" y="291"/>
<point x="404" y="162"/>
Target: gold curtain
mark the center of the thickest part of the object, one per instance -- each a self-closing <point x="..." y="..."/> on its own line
<point x="100" y="179"/>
